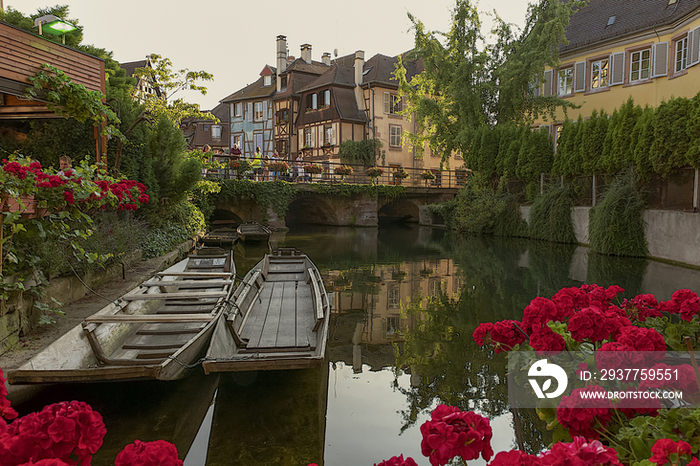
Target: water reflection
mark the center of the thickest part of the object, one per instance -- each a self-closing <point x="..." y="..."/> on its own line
<point x="406" y="302"/>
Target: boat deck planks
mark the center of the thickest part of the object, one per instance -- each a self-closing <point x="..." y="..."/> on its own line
<point x="282" y="322"/>
<point x="152" y="332"/>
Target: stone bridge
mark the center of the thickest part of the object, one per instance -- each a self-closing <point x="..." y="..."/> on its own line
<point x="363" y="210"/>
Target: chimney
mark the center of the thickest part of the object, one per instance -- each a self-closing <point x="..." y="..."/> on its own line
<point x="306" y="53"/>
<point x="326" y="58"/>
<point x="281" y="58"/>
<point x="359" y="64"/>
<point x="290" y="59"/>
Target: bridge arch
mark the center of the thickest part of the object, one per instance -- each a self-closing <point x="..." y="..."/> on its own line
<point x="225" y="214"/>
<point x="310" y="210"/>
<point x="401" y="210"/>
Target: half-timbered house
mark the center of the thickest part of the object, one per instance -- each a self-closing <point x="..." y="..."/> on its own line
<point x="252" y="116"/>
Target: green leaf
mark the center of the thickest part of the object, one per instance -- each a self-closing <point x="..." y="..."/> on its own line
<point x="640" y="450"/>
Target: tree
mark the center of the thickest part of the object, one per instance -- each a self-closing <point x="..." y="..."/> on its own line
<point x="170" y="82"/>
<point x="464" y="85"/>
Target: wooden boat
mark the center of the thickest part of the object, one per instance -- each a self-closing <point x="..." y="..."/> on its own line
<point x="253" y="231"/>
<point x="278" y="319"/>
<point x="220" y="237"/>
<point x="155" y="331"/>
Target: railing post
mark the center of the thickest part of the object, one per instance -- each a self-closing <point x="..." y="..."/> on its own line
<point x="696" y="190"/>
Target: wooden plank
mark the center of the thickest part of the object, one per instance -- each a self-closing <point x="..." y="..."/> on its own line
<point x="170" y="329"/>
<point x="196" y="274"/>
<point x="252" y="326"/>
<point x="137" y="319"/>
<point x="271" y="329"/>
<point x="283" y="277"/>
<point x="210" y="294"/>
<point x="189" y="283"/>
<point x="305" y="318"/>
<point x="157" y="341"/>
<point x="316" y="293"/>
<point x="286" y="336"/>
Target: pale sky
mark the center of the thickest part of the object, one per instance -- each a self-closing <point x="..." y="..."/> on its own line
<point x="234" y="40"/>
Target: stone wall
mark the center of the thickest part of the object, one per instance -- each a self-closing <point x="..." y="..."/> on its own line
<point x="671" y="235"/>
<point x="19" y="316"/>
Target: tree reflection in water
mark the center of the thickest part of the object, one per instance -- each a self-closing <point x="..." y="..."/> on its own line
<point x="451" y="369"/>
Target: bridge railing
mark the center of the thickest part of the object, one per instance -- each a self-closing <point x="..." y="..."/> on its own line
<point x="391" y="175"/>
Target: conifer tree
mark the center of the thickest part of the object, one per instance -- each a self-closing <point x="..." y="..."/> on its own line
<point x="671" y="141"/>
<point x="594" y="134"/>
<point x="643" y="134"/>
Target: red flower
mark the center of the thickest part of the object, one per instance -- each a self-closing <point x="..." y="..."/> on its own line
<point x="580" y="452"/>
<point x="664" y="449"/>
<point x="679" y="297"/>
<point x="156" y="453"/>
<point x="569" y="300"/>
<point x="504" y="335"/>
<point x="544" y="339"/>
<point x="68" y="196"/>
<point x="642" y="307"/>
<point x="589" y="324"/>
<point x="452" y="432"/>
<point x="689" y="308"/>
<point x="540" y="311"/>
<point x="584" y="416"/>
<point x="514" y="458"/>
<point x="682" y="378"/>
<point x="642" y="339"/>
<point x="614" y="355"/>
<point x="6" y="411"/>
<point x="396" y="461"/>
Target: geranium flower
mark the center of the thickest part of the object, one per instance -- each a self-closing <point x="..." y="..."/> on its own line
<point x="580" y="452"/>
<point x="689" y="308"/>
<point x="682" y="378"/>
<point x="451" y="432"/>
<point x="540" y="311"/>
<point x="642" y="307"/>
<point x="396" y="461"/>
<point x="589" y="324"/>
<point x="156" y="453"/>
<point x="642" y="339"/>
<point x="514" y="458"/>
<point x="569" y="300"/>
<point x="584" y="415"/>
<point x="544" y="339"/>
<point x="666" y="451"/>
<point x="504" y="335"/>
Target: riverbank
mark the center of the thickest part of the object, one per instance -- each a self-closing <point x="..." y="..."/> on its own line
<point x="76" y="312"/>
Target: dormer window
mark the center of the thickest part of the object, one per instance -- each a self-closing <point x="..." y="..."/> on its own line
<point x="267" y="81"/>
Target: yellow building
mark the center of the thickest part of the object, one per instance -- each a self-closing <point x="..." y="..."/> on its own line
<point x="645" y="49"/>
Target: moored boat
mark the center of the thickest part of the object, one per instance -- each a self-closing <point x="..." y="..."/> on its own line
<point x="155" y="331"/>
<point x="278" y="319"/>
<point x="253" y="231"/>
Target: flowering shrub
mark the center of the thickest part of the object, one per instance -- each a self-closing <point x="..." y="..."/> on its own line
<point x="68" y="433"/>
<point x="313" y="168"/>
<point x="428" y="175"/>
<point x="451" y="432"/>
<point x="374" y="172"/>
<point x="242" y="165"/>
<point x="344" y="170"/>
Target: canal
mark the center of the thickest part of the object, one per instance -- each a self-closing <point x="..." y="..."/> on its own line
<point x="406" y="302"/>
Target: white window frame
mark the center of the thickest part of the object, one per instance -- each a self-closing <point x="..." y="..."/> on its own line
<point x="314" y="101"/>
<point x="258" y="111"/>
<point x="392" y="104"/>
<point x="602" y="68"/>
<point x="238" y="109"/>
<point x="327" y="97"/>
<point x="267" y="80"/>
<point x="216" y="131"/>
<point x="637" y="58"/>
<point x="565" y="81"/>
<point x="395" y="136"/>
<point x="681" y="55"/>
<point x="328" y="138"/>
<point x="308" y="137"/>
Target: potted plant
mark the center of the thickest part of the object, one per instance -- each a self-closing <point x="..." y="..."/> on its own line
<point x="343" y="171"/>
<point x="400" y="174"/>
<point x="374" y="173"/>
<point x="428" y="176"/>
<point x="282" y="167"/>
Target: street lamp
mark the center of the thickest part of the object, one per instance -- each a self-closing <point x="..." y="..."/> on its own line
<point x="54" y="25"/>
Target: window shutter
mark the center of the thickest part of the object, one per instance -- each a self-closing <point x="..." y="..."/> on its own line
<point x="536" y="88"/>
<point x="580" y="76"/>
<point x="548" y="82"/>
<point x="694" y="47"/>
<point x="326" y="97"/>
<point x="301" y="139"/>
<point x="314" y="101"/>
<point x="249" y="112"/>
<point x="617" y="66"/>
<point x="660" y="60"/>
<point x="313" y="135"/>
<point x="387" y="102"/>
<point x="334" y="132"/>
<point x="264" y="110"/>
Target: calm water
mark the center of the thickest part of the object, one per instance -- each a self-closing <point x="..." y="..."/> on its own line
<point x="406" y="301"/>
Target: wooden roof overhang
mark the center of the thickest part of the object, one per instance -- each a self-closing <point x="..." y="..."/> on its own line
<point x="21" y="56"/>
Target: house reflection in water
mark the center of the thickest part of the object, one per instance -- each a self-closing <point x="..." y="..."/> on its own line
<point x="369" y="307"/>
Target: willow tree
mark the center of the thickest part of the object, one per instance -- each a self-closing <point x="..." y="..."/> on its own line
<point x="467" y="82"/>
